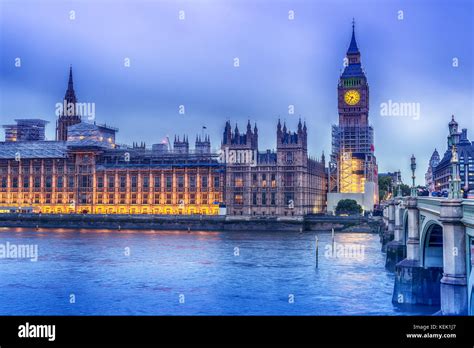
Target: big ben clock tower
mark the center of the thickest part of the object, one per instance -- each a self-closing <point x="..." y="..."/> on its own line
<point x="353" y="166"/>
<point x="353" y="90"/>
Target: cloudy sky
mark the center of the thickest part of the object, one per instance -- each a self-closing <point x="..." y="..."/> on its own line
<point x="283" y="62"/>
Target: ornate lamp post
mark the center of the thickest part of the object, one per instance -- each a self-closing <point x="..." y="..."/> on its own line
<point x="399" y="184"/>
<point x="455" y="181"/>
<point x="413" y="167"/>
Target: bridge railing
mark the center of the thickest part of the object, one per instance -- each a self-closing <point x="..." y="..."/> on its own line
<point x="430" y="204"/>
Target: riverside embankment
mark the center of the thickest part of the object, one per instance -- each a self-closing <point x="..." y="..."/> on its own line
<point x="193" y="222"/>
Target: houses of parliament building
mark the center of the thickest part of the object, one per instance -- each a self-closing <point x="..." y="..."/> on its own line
<point x="85" y="171"/>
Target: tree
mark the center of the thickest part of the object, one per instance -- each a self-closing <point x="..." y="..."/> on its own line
<point x="406" y="190"/>
<point x="384" y="186"/>
<point x="348" y="206"/>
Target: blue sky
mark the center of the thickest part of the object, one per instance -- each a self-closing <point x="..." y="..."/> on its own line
<point x="282" y="62"/>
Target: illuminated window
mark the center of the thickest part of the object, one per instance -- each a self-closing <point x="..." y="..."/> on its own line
<point x="238" y="181"/>
<point x="156" y="198"/>
<point x="238" y="199"/>
<point x="264" y="180"/>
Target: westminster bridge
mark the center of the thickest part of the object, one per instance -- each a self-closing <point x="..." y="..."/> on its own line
<point x="429" y="244"/>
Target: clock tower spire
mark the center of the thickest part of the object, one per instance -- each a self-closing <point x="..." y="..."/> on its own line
<point x="353" y="54"/>
<point x="353" y="90"/>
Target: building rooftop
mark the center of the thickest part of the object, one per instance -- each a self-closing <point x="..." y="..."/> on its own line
<point x="33" y="149"/>
<point x="353" y="70"/>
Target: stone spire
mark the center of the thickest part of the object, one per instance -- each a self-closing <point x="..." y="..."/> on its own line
<point x="353" y="49"/>
<point x="70" y="96"/>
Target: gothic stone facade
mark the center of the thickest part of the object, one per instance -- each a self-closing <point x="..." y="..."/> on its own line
<point x="465" y="149"/>
<point x="282" y="183"/>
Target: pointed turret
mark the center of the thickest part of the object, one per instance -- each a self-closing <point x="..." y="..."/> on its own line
<point x="70" y="96"/>
<point x="255" y="137"/>
<point x="453" y="125"/>
<point x="353" y="49"/>
<point x="227" y="134"/>
<point x="353" y="67"/>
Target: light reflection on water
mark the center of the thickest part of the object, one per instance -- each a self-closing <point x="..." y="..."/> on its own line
<point x="202" y="266"/>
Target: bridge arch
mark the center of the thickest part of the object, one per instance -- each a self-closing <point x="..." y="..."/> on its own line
<point x="432" y="245"/>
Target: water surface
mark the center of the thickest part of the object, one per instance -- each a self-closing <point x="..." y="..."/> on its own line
<point x="197" y="273"/>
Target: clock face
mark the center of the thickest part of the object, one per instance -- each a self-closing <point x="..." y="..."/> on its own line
<point x="352" y="97"/>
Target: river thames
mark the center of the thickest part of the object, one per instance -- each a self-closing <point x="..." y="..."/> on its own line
<point x="83" y="272"/>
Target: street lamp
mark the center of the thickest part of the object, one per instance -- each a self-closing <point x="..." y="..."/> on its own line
<point x="413" y="167"/>
<point x="455" y="181"/>
<point x="399" y="183"/>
